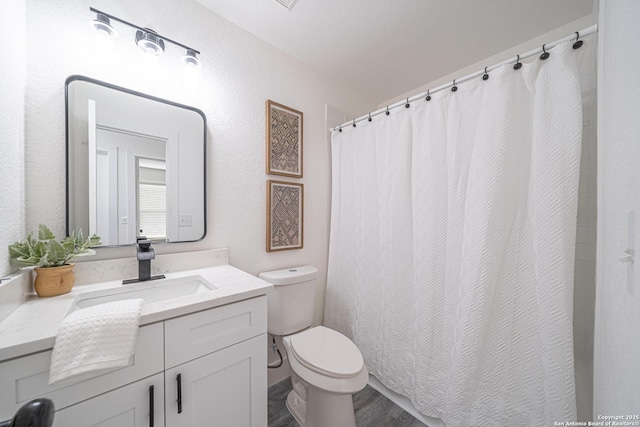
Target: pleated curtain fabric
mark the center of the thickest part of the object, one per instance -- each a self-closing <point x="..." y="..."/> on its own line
<point x="453" y="242"/>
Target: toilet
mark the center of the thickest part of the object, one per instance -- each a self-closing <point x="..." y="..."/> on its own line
<point x="327" y="367"/>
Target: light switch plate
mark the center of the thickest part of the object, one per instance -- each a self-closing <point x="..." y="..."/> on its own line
<point x="185" y="221"/>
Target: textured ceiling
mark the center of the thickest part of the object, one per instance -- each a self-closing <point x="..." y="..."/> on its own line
<point x="385" y="48"/>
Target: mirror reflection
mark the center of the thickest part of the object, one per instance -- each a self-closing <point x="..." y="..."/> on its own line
<point x="135" y="165"/>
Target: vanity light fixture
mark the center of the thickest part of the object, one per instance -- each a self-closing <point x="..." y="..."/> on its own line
<point x="146" y="39"/>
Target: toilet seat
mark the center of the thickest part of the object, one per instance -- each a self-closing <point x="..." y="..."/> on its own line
<point x="320" y="372"/>
<point x="327" y="352"/>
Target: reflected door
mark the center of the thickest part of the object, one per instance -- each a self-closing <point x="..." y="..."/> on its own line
<point x="130" y="170"/>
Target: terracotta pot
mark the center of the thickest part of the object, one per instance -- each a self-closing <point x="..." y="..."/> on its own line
<point x="52" y="281"/>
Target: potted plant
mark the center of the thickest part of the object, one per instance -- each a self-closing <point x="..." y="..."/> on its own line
<point x="54" y="273"/>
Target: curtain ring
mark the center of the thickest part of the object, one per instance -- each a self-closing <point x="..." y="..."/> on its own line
<point x="454" y="88"/>
<point x="578" y="42"/>
<point x="485" y="76"/>
<point x="518" y="64"/>
<point x="428" y="98"/>
<point x="545" y="54"/>
<point x="387" y="113"/>
<point x="340" y="130"/>
<point x="370" y="117"/>
<point x="407" y="105"/>
<point x="354" y="122"/>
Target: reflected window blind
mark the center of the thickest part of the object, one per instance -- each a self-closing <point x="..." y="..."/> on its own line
<point x="152" y="203"/>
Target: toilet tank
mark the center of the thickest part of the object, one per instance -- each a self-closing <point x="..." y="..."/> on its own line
<point x="291" y="304"/>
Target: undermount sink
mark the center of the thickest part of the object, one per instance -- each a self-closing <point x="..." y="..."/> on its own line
<point x="150" y="291"/>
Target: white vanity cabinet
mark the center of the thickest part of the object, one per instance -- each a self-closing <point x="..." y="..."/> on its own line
<point x="218" y="353"/>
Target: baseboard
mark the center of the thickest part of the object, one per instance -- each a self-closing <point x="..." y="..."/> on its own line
<point x="404" y="403"/>
<point x="274" y="376"/>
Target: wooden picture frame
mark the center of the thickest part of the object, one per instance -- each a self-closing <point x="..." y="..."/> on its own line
<point x="284" y="130"/>
<point x="285" y="215"/>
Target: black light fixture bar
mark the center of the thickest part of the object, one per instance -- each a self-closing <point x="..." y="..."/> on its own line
<point x="146" y="30"/>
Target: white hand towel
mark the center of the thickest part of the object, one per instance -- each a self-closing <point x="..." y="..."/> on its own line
<point x="95" y="340"/>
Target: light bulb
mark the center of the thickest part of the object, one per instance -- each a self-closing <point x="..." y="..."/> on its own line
<point x="102" y="25"/>
<point x="191" y="59"/>
<point x="149" y="42"/>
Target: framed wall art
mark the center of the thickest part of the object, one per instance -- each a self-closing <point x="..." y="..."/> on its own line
<point x="284" y="140"/>
<point x="285" y="209"/>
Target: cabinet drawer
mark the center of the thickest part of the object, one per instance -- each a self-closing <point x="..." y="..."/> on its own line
<point x="192" y="336"/>
<point x="26" y="378"/>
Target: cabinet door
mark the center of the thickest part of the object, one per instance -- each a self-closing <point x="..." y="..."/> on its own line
<point x="227" y="388"/>
<point x="128" y="406"/>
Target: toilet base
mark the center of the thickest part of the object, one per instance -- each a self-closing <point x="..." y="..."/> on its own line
<point x="322" y="409"/>
<point x="297" y="407"/>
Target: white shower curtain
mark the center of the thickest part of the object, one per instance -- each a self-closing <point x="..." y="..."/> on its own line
<point x="452" y="245"/>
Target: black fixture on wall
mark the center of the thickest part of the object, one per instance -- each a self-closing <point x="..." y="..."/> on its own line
<point x="147" y="39"/>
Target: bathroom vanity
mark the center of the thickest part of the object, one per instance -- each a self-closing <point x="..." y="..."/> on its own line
<point x="199" y="357"/>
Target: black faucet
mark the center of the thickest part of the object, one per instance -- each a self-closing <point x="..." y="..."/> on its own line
<point x="145" y="255"/>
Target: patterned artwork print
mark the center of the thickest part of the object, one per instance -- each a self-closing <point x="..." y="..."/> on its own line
<point x="285" y="141"/>
<point x="285" y="216"/>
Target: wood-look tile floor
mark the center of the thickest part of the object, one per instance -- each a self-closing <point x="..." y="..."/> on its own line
<point x="372" y="409"/>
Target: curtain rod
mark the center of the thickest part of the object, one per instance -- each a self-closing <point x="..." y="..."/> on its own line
<point x="575" y="36"/>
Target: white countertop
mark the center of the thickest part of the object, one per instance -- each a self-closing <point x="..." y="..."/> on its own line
<point x="34" y="325"/>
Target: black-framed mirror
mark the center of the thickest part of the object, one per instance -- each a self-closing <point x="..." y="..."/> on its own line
<point x="136" y="165"/>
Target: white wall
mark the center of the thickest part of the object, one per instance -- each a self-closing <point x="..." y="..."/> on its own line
<point x="239" y="73"/>
<point x="12" y="78"/>
<point x="617" y="339"/>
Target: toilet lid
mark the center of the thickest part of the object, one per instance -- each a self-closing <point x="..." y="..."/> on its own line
<point x="327" y="352"/>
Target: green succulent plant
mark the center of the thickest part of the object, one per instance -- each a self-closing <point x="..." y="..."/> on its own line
<point x="46" y="251"/>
